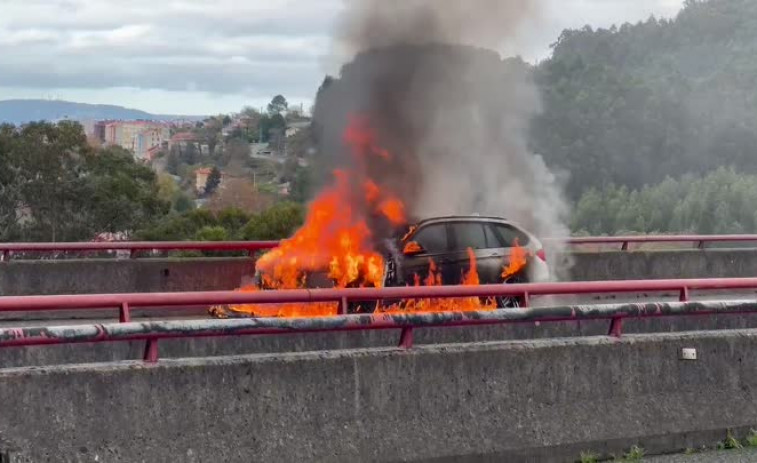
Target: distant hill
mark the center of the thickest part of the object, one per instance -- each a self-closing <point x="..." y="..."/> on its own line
<point x="22" y="111"/>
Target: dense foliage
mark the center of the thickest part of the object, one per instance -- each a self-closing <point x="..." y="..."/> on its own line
<point x="55" y="187"/>
<point x="720" y="202"/>
<point x="634" y="104"/>
<point x="276" y="222"/>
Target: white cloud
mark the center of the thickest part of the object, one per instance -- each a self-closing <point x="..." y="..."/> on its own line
<point x="201" y="56"/>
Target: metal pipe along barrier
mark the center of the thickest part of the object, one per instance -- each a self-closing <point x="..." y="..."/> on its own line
<point x="131" y="300"/>
<point x="700" y="241"/>
<point x="8" y="249"/>
<point x="153" y="331"/>
<point x="134" y="247"/>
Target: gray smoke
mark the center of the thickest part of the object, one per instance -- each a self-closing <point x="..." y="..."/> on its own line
<point x="454" y="114"/>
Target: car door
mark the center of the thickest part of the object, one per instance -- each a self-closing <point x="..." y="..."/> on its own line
<point x="503" y="238"/>
<point x="434" y="240"/>
<point x="472" y="235"/>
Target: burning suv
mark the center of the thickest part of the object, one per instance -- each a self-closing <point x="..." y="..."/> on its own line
<point x="504" y="252"/>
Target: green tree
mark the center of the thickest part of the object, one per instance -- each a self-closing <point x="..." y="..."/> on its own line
<point x="719" y="202"/>
<point x="277" y="105"/>
<point x="124" y="195"/>
<point x="277" y="222"/>
<point x="214" y="180"/>
<point x="63" y="189"/>
<point x="301" y="185"/>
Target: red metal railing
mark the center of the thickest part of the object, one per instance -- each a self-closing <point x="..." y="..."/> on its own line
<point x="135" y="247"/>
<point x="153" y="331"/>
<point x="681" y="287"/>
<point x="700" y="241"/>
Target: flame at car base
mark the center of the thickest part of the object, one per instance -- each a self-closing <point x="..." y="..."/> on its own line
<point x="336" y="238"/>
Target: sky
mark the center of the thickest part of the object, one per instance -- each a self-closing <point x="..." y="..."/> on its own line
<point x="200" y="57"/>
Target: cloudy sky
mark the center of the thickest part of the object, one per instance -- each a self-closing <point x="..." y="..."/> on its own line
<point x="211" y="56"/>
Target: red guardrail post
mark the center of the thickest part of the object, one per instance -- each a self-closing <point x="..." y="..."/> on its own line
<point x="343" y="306"/>
<point x="684" y="297"/>
<point x="124" y="314"/>
<point x="6" y="255"/>
<point x="406" y="338"/>
<point x="616" y="327"/>
<point x="701" y="244"/>
<point x="151" y="351"/>
<point x="526" y="299"/>
<point x="133" y="253"/>
<point x="624" y="247"/>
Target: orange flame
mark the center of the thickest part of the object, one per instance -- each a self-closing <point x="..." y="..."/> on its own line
<point x="434" y="278"/>
<point x="518" y="260"/>
<point x="336" y="241"/>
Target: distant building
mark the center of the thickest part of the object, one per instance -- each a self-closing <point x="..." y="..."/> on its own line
<point x="294" y="127"/>
<point x="183" y="140"/>
<point x="201" y="179"/>
<point x="284" y="189"/>
<point x="260" y="150"/>
<point x="153" y="152"/>
<point x="139" y="137"/>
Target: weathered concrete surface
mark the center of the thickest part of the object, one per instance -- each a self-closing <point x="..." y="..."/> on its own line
<point x="544" y="400"/>
<point x="97" y="276"/>
<point x="655" y="265"/>
<point x="152" y="275"/>
<point x="311" y="342"/>
<point x="129" y="275"/>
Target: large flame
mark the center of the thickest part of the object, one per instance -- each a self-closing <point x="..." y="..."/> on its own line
<point x="518" y="260"/>
<point x="336" y="240"/>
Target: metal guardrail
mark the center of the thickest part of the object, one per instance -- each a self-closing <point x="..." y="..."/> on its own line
<point x="700" y="241"/>
<point x="135" y="247"/>
<point x="153" y="331"/>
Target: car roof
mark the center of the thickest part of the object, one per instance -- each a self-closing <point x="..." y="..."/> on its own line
<point x="458" y="218"/>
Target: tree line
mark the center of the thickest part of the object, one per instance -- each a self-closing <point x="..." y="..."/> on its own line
<point x="634" y="104"/>
<point x="55" y="186"/>
<point x="720" y="202"/>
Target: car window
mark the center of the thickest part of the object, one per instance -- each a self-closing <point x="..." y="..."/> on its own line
<point x="469" y="235"/>
<point x="432" y="238"/>
<point x="504" y="236"/>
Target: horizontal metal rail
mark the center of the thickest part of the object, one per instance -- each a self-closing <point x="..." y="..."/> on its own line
<point x="193" y="299"/>
<point x="7" y="249"/>
<point x="700" y="241"/>
<point x="154" y="331"/>
<point x="134" y="247"/>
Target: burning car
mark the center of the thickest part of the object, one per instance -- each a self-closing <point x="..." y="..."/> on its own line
<point x="356" y="235"/>
<point x="502" y="251"/>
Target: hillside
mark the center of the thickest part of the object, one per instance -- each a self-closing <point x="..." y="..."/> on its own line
<point x="21" y="111"/>
<point x="633" y="104"/>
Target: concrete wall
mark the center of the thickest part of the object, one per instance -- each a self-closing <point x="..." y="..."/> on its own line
<point x="544" y="400"/>
<point x="312" y="342"/>
<point x="151" y="275"/>
<point x="643" y="265"/>
<point x="93" y="276"/>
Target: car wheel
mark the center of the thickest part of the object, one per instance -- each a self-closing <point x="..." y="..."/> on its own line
<point x="512" y="302"/>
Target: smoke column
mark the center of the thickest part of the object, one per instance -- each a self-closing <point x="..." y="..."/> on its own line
<point x="453" y="113"/>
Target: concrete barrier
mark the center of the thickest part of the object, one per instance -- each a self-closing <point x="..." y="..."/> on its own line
<point x="152" y="275"/>
<point x="656" y="265"/>
<point x="544" y="400"/>
<point x="97" y="276"/>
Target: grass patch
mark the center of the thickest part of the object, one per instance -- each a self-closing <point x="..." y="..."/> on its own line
<point x="589" y="457"/>
<point x="751" y="439"/>
<point x="635" y="454"/>
<point x="731" y="443"/>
